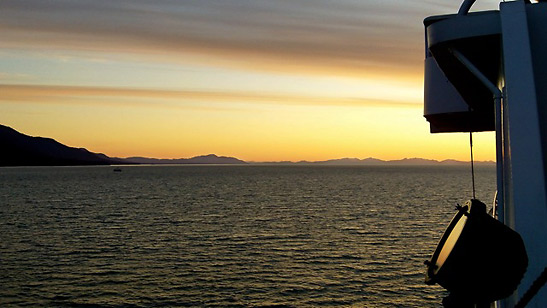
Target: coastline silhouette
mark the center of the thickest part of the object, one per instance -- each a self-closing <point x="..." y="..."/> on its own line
<point x="23" y="150"/>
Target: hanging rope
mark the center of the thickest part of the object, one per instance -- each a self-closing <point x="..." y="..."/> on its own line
<point x="472" y="163"/>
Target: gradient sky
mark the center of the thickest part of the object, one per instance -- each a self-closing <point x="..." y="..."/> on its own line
<point x="261" y="80"/>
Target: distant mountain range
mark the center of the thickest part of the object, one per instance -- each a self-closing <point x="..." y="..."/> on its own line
<point x="205" y="159"/>
<point x="378" y="162"/>
<point x="23" y="150"/>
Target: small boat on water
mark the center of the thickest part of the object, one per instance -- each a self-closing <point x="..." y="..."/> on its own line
<point x="117" y="170"/>
<point x="487" y="71"/>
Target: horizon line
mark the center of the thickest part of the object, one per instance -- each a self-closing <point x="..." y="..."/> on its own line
<point x="349" y="159"/>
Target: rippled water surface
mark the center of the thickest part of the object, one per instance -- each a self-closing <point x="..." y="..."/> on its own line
<point x="232" y="236"/>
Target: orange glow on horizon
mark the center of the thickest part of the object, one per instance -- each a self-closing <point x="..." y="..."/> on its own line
<point x="251" y="132"/>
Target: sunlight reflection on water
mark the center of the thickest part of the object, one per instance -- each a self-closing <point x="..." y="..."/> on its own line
<point x="226" y="235"/>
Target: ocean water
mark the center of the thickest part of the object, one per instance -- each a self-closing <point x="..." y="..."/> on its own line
<point x="226" y="236"/>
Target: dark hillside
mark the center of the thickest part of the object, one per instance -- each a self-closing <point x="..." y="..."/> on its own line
<point x="21" y="150"/>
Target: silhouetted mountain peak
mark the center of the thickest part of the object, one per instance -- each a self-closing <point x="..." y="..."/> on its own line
<point x="23" y="150"/>
<point x="203" y="159"/>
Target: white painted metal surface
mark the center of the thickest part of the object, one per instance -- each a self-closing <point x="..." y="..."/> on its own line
<point x="524" y="179"/>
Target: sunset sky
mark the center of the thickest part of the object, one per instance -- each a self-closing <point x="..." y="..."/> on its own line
<point x="261" y="80"/>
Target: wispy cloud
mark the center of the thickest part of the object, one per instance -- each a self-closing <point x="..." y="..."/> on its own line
<point x="15" y="76"/>
<point x="341" y="36"/>
<point x="175" y="99"/>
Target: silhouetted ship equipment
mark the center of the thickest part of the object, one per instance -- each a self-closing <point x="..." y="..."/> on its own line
<point x="487" y="71"/>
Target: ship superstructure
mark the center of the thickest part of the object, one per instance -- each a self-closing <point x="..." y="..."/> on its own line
<point x="487" y="71"/>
